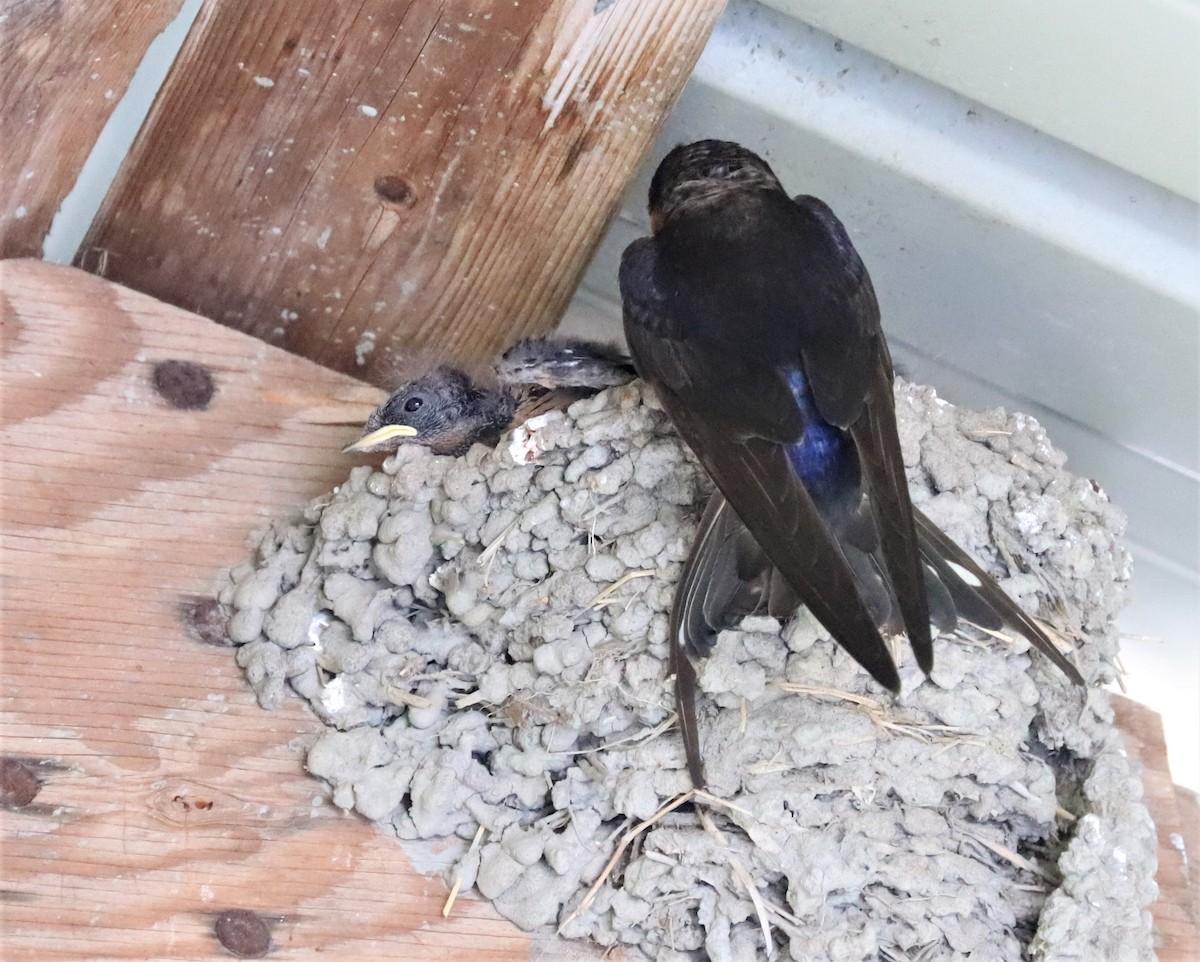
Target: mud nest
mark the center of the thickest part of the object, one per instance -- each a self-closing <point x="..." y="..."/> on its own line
<point x="485" y="638"/>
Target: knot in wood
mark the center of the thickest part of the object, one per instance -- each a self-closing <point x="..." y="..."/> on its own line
<point x="395" y="190"/>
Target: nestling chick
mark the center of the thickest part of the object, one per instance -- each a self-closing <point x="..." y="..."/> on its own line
<point x="443" y="410"/>
<point x="556" y="362"/>
<point x="447" y="412"/>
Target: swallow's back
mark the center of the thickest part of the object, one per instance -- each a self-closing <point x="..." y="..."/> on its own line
<point x="771" y="280"/>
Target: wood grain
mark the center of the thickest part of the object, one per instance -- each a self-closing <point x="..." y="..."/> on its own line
<point x="360" y="180"/>
<point x="165" y="795"/>
<point x="64" y="66"/>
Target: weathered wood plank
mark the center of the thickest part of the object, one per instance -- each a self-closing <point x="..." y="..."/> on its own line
<point x="1177" y="929"/>
<point x="64" y="66"/>
<point x="358" y="180"/>
<point x="166" y="794"/>
<point x="1188" y="804"/>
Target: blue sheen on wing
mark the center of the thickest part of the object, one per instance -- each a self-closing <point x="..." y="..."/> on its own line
<point x="824" y="454"/>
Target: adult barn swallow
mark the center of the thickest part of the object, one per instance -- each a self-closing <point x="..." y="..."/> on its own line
<point x="447" y="412"/>
<point x="754" y="318"/>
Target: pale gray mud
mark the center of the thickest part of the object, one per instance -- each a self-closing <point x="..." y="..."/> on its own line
<point x="486" y="640"/>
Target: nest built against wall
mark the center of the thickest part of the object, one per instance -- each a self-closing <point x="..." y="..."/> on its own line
<point x="486" y="639"/>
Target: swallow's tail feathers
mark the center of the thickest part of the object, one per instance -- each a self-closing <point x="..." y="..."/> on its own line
<point x="685" y="709"/>
<point x="977" y="597"/>
<point x="710" y="589"/>
<point x="725" y="580"/>
<point x="703" y="602"/>
<point x="944" y="608"/>
<point x="726" y="577"/>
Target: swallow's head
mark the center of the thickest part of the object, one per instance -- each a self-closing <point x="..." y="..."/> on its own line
<point x="693" y="172"/>
<point x="436" y="410"/>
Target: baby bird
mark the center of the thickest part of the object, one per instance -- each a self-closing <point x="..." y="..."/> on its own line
<point x="447" y="412"/>
<point x="443" y="410"/>
<point x="559" y="362"/>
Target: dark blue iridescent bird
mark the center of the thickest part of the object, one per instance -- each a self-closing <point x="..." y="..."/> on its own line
<point x="755" y="320"/>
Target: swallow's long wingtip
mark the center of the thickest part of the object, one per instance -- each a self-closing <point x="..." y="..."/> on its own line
<point x="1041" y="639"/>
<point x="924" y="656"/>
<point x="887" y="676"/>
<point x="1076" y="677"/>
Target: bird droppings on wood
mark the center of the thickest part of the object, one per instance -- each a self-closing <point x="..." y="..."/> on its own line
<point x="184" y="384"/>
<point x="19" y="784"/>
<point x="495" y="665"/>
<point x="243" y="933"/>
<point x="205" y="620"/>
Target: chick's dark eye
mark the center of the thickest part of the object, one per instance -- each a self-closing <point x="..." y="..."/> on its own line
<point x="413" y="404"/>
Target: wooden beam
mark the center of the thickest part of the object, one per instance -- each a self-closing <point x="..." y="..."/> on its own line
<point x="1176" y="923"/>
<point x="362" y="181"/>
<point x="64" y="66"/>
<point x="143" y="792"/>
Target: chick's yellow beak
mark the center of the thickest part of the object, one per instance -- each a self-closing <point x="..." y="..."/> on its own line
<point x="388" y="432"/>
